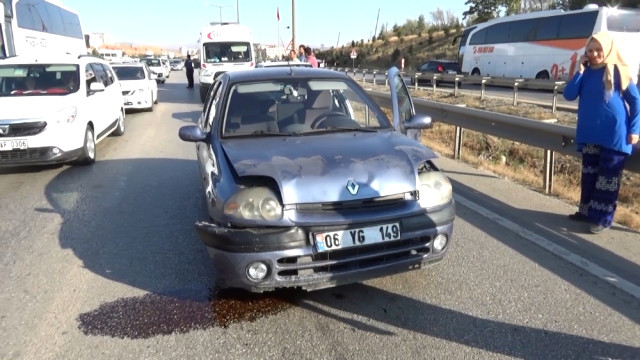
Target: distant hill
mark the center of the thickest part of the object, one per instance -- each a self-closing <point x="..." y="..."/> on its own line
<point x="382" y="53"/>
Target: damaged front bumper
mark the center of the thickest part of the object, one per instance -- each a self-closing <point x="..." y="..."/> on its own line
<point x="292" y="259"/>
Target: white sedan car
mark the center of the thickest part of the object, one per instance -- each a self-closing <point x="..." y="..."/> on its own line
<point x="139" y="86"/>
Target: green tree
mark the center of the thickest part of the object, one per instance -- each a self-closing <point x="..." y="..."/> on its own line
<point x="421" y="25"/>
<point x="483" y="9"/>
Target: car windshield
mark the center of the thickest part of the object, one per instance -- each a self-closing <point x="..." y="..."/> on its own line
<point x="300" y="107"/>
<point x="129" y="72"/>
<point x="38" y="79"/>
<point x="227" y="52"/>
<point x="152" y="62"/>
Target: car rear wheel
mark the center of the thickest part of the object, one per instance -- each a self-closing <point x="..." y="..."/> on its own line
<point x="88" y="149"/>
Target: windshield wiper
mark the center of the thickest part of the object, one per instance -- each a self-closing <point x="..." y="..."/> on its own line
<point x="334" y="129"/>
<point x="269" y="133"/>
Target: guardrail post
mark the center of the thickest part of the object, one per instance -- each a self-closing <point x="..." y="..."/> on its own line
<point x="549" y="166"/>
<point x="455" y="86"/>
<point x="433" y="82"/>
<point x="386" y="78"/>
<point x="457" y="144"/>
<point x="374" y="76"/>
<point x="554" y="102"/>
<point x="364" y="75"/>
<point x="482" y="88"/>
<point x="515" y="91"/>
<point x="416" y="80"/>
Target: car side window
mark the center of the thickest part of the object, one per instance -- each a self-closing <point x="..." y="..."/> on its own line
<point x="110" y="76"/>
<point x="404" y="100"/>
<point x="212" y="103"/>
<point x="101" y="75"/>
<point x="90" y="76"/>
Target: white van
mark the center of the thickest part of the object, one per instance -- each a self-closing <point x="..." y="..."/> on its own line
<point x="223" y="47"/>
<point x="56" y="108"/>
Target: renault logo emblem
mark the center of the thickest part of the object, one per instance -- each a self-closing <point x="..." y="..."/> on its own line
<point x="352" y="186"/>
<point x="4" y="129"/>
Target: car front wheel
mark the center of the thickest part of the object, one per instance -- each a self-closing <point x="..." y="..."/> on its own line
<point x="119" y="131"/>
<point x="89" y="149"/>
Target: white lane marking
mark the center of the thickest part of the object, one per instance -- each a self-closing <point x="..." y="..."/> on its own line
<point x="594" y="269"/>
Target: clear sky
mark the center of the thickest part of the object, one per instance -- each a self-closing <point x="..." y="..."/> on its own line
<point x="318" y="22"/>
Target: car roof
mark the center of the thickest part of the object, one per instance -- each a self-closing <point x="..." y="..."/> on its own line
<point x="50" y="59"/>
<point x="284" y="63"/>
<point x="128" y="64"/>
<point x="283" y="72"/>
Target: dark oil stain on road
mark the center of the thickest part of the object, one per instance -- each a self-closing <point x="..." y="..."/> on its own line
<point x="151" y="315"/>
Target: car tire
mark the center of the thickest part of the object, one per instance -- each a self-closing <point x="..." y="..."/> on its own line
<point x="151" y="102"/>
<point x="156" y="101"/>
<point x="203" y="95"/>
<point x="88" y="156"/>
<point x="120" y="127"/>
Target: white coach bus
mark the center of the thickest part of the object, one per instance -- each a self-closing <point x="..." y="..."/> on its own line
<point x="546" y="44"/>
<point x="35" y="26"/>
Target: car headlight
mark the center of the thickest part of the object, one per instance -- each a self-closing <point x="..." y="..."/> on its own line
<point x="66" y="115"/>
<point x="433" y="189"/>
<point x="259" y="203"/>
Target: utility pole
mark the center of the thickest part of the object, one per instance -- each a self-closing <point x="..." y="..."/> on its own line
<point x="375" y="32"/>
<point x="238" y="12"/>
<point x="293" y="24"/>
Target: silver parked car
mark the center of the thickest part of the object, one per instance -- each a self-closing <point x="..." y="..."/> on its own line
<point x="310" y="185"/>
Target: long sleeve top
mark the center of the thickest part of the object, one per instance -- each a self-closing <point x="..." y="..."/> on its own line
<point x="602" y="122"/>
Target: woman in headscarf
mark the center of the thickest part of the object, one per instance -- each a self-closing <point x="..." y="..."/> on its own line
<point x="607" y="129"/>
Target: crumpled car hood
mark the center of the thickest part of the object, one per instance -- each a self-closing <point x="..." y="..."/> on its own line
<point x="315" y="169"/>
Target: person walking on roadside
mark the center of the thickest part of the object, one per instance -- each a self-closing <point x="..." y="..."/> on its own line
<point x="606" y="130"/>
<point x="311" y="58"/>
<point x="301" y="53"/>
<point x="188" y="65"/>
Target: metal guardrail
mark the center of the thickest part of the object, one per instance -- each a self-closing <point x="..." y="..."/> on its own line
<point x="551" y="138"/>
<point x="459" y="79"/>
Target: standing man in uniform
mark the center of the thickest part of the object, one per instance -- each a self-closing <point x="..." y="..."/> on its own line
<point x="188" y="65"/>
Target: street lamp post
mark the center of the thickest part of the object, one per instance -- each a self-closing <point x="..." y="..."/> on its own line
<point x="220" y="8"/>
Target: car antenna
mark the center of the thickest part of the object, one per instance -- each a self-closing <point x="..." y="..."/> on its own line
<point x="290" y="67"/>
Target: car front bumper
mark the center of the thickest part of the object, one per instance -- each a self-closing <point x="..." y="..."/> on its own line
<point x="293" y="260"/>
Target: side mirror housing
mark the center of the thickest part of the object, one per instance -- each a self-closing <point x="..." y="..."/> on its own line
<point x="418" y="121"/>
<point x="192" y="133"/>
<point x="96" y="87"/>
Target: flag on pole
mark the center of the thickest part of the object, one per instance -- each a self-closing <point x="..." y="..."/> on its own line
<point x="278" y="13"/>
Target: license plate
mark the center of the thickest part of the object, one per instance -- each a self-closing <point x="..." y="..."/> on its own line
<point x="342" y="239"/>
<point x="7" y="145"/>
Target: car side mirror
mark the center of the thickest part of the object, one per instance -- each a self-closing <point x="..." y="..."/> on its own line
<point x="153" y="76"/>
<point x="192" y="133"/>
<point x="418" y="121"/>
<point x="96" y="87"/>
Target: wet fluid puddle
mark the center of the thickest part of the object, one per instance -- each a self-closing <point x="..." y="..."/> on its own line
<point x="181" y="312"/>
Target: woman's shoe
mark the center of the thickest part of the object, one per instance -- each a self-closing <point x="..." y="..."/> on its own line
<point x="578" y="217"/>
<point x="597" y="229"/>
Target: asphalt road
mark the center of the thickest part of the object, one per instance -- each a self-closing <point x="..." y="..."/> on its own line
<point x="103" y="262"/>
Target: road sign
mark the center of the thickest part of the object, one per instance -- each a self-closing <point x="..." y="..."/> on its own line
<point x="354" y="54"/>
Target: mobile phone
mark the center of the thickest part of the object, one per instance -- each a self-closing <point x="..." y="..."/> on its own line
<point x="586" y="62"/>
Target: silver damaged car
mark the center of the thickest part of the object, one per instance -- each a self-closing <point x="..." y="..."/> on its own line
<point x="310" y="185"/>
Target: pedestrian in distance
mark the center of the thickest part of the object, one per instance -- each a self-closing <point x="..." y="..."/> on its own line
<point x="292" y="56"/>
<point x="311" y="57"/>
<point x="188" y="65"/>
<point x="606" y="130"/>
<point x="301" y="53"/>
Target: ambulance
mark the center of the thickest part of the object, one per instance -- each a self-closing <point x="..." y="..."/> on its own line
<point x="224" y="47"/>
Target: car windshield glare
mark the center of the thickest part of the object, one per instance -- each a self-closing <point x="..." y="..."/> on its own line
<point x="38" y="79"/>
<point x="299" y="107"/>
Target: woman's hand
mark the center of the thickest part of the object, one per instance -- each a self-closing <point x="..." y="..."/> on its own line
<point x="633" y="139"/>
